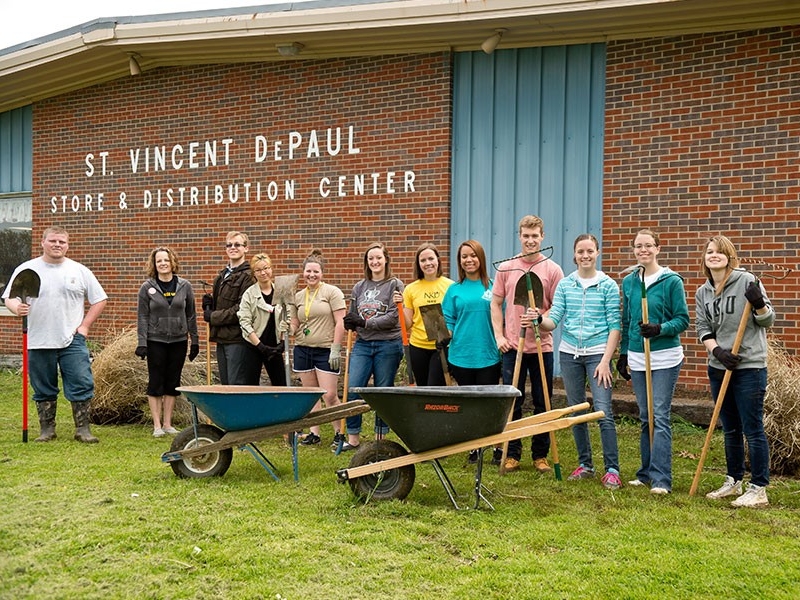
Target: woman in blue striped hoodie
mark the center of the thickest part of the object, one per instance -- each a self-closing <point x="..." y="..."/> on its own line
<point x="586" y="303"/>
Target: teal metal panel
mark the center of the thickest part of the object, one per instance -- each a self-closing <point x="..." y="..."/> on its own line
<point x="16" y="150"/>
<point x="528" y="139"/>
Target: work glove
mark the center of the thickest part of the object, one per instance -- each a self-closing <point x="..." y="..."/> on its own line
<point x="284" y="325"/>
<point x="194" y="350"/>
<point x="649" y="330"/>
<point x="141" y="352"/>
<point x="334" y="360"/>
<point x="754" y="295"/>
<point x="208" y="302"/>
<point x="351" y="322"/>
<point x="728" y="359"/>
<point x="269" y="352"/>
<point x="622" y="367"/>
<point x="207" y="315"/>
<point x="442" y="344"/>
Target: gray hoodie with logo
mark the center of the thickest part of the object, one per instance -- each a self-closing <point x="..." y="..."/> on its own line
<point x="719" y="317"/>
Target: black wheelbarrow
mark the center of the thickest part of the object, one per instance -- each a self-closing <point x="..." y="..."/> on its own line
<point x="242" y="415"/>
<point x="435" y="422"/>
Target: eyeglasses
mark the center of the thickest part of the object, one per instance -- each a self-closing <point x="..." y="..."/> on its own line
<point x="235" y="245"/>
<point x="644" y="246"/>
<point x="262" y="270"/>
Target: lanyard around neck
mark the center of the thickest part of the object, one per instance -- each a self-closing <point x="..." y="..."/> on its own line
<point x="308" y="302"/>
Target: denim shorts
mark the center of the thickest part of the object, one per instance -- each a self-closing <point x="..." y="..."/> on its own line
<point x="307" y="359"/>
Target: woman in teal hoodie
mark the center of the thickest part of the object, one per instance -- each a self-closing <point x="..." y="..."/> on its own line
<point x="668" y="317"/>
<point x="586" y="303"/>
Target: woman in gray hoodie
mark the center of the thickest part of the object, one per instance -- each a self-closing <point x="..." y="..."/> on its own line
<point x="721" y="303"/>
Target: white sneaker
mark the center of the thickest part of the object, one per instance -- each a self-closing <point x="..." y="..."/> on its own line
<point x="754" y="497"/>
<point x="170" y="430"/>
<point x="158" y="432"/>
<point x="636" y="483"/>
<point x="659" y="491"/>
<point x="729" y="488"/>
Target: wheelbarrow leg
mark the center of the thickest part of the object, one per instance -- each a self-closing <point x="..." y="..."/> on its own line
<point x="479" y="487"/>
<point x="256" y="453"/>
<point x="446" y="483"/>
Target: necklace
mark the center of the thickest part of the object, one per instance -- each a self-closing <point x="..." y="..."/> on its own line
<point x="307" y="306"/>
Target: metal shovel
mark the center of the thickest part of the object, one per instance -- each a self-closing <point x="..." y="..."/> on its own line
<point x="25" y="286"/>
<point x="436" y="330"/>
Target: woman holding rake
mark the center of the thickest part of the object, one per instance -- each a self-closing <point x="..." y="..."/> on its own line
<point x="728" y="297"/>
<point x="653" y="309"/>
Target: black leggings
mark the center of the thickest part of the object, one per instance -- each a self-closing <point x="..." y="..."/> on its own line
<point x="426" y="366"/>
<point x="484" y="376"/>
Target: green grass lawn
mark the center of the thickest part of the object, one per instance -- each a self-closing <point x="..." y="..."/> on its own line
<point x="112" y="521"/>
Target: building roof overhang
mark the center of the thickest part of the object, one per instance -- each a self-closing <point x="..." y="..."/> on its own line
<point x="100" y="50"/>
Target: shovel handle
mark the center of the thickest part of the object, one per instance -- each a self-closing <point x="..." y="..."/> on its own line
<point x="401" y="316"/>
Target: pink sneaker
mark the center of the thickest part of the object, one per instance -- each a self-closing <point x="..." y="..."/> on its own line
<point x="611" y="481"/>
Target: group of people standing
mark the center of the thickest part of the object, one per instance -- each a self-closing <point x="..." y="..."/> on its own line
<point x="487" y="326"/>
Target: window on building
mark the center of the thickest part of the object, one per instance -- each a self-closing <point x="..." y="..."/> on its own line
<point x="15" y="233"/>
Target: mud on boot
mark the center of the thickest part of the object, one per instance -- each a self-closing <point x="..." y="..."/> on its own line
<point x="80" y="413"/>
<point x="47" y="420"/>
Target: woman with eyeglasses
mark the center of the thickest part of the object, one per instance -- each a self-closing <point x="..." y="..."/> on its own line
<point x="234" y="356"/>
<point x="660" y="291"/>
<point x="166" y="320"/>
<point x="317" y="322"/>
<point x="259" y="318"/>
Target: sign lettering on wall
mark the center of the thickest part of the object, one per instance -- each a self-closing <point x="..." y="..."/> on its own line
<point x="184" y="157"/>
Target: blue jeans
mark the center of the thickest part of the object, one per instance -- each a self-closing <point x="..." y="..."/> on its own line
<point x="540" y="444"/>
<point x="575" y="370"/>
<point x="656" y="466"/>
<point x="76" y="372"/>
<point x="380" y="360"/>
<point x="742" y="416"/>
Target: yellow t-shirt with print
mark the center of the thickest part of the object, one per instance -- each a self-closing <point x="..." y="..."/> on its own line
<point x="419" y="293"/>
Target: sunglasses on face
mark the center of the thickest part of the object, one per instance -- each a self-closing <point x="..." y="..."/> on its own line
<point x="235" y="245"/>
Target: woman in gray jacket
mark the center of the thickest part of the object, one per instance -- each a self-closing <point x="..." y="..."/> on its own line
<point x="166" y="319"/>
<point x="721" y="303"/>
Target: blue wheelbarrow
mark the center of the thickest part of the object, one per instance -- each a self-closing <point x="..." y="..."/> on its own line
<point x="240" y="416"/>
<point x="435" y="422"/>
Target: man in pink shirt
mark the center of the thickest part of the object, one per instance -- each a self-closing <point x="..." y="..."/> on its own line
<point x="506" y="324"/>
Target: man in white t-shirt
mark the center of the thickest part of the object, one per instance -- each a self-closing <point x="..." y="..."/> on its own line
<point x="58" y="326"/>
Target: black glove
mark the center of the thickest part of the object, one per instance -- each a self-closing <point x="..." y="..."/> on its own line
<point x="207" y="315"/>
<point x="754" y="295"/>
<point x="622" y="367"/>
<point x="649" y="330"/>
<point x="194" y="350"/>
<point x="208" y="302"/>
<point x="443" y="344"/>
<point x="351" y="322"/>
<point x="141" y="352"/>
<point x="728" y="359"/>
<point x="269" y="352"/>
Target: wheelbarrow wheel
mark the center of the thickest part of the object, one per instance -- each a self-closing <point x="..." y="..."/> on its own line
<point x="384" y="485"/>
<point x="212" y="464"/>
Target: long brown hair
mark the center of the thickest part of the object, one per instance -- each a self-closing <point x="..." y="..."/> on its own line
<point x="418" y="274"/>
<point x="388" y="268"/>
<point x="483" y="273"/>
<point x="726" y="248"/>
<point x="150" y="266"/>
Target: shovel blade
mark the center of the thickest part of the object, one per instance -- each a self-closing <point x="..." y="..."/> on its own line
<point x="433" y="320"/>
<point x="284" y="286"/>
<point x="26" y="285"/>
<point x="521" y="297"/>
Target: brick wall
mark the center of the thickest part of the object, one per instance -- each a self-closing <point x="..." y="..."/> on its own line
<point x="702" y="137"/>
<point x="399" y="111"/>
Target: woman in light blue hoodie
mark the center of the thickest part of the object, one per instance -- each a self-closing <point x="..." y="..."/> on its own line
<point x="586" y="303"/>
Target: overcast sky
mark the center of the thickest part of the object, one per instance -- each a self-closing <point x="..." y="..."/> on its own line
<point x="25" y="20"/>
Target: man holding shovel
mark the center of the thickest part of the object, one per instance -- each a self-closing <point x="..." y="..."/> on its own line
<point x="506" y="320"/>
<point x="58" y="326"/>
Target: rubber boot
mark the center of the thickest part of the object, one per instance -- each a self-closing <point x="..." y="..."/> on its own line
<point x="80" y="413"/>
<point x="47" y="420"/>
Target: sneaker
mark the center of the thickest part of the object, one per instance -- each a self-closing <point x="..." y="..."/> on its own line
<point x="581" y="473"/>
<point x="497" y="456"/>
<point x="754" y="497"/>
<point x="347" y="446"/>
<point x="473" y="457"/>
<point x="729" y="488"/>
<point x="338" y="438"/>
<point x="659" y="491"/>
<point x="611" y="481"/>
<point x="636" y="483"/>
<point x="158" y="432"/>
<point x="170" y="430"/>
<point x="540" y="464"/>
<point x="512" y="464"/>
<point x="311" y="439"/>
